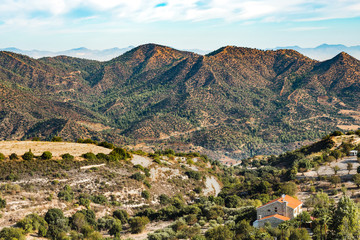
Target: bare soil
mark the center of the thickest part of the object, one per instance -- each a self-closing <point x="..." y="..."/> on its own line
<point x="56" y="148"/>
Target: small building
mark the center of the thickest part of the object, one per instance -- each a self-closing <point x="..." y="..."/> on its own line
<point x="277" y="211"/>
<point x="353" y="153"/>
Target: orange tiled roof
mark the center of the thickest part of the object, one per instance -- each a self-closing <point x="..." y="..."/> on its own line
<point x="276" y="216"/>
<point x="291" y="202"/>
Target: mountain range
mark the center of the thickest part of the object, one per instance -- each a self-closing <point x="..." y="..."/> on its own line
<point x="325" y="51"/>
<point x="321" y="52"/>
<point x="233" y="101"/>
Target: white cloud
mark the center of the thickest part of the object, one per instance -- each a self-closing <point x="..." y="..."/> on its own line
<point x="55" y="11"/>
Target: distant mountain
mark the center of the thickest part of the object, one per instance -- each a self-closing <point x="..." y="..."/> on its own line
<point x="325" y="51"/>
<point x="238" y="101"/>
<point x="100" y="55"/>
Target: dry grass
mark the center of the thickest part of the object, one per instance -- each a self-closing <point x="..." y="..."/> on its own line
<point x="56" y="148"/>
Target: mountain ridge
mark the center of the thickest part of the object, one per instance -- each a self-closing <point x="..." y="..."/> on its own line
<point x="239" y="100"/>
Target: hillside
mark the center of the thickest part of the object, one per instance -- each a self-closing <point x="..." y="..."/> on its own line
<point x="234" y="101"/>
<point x="172" y="195"/>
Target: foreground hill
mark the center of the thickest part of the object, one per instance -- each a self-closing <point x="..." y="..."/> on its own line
<point x="237" y="100"/>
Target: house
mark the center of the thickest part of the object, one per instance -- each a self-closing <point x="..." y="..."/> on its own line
<point x="278" y="211"/>
<point x="353" y="153"/>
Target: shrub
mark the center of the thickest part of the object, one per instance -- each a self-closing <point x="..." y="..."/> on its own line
<point x="137" y="224"/>
<point x="122" y="215"/>
<point x="115" y="229"/>
<point x="99" y="199"/>
<point x="219" y="233"/>
<point x="32" y="223"/>
<point x="106" y="145"/>
<point x="193" y="174"/>
<point x="138" y="176"/>
<point x="138" y="166"/>
<point x="336" y="133"/>
<point x="66" y="194"/>
<point x="146" y="183"/>
<point x="164" y="199"/>
<point x="46" y="155"/>
<point x="14" y="156"/>
<point x="2" y="203"/>
<point x="56" y="139"/>
<point x="89" y="156"/>
<point x="67" y="156"/>
<point x="12" y="234"/>
<point x="145" y="194"/>
<point x="102" y="156"/>
<point x="28" y="155"/>
<point x="2" y="156"/>
<point x="120" y="154"/>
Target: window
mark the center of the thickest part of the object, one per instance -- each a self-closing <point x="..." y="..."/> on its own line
<point x="276" y="209"/>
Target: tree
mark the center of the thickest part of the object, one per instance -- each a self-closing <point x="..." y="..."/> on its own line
<point x="349" y="167"/>
<point x="137" y="224"/>
<point x="115" y="229"/>
<point x="299" y="234"/>
<point x="337" y="154"/>
<point x="345" y="224"/>
<point x="219" y="233"/>
<point x="335" y="180"/>
<point x="356" y="179"/>
<point x="288" y="188"/>
<point x="46" y="155"/>
<point x="78" y="221"/>
<point x="13" y="156"/>
<point x="53" y="214"/>
<point x="336" y="169"/>
<point x="358" y="169"/>
<point x="28" y="155"/>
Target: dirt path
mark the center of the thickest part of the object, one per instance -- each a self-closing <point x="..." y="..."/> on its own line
<point x="56" y="148"/>
<point x="91" y="166"/>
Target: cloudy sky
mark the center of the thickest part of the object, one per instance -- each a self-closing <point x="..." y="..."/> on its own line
<point x="184" y="24"/>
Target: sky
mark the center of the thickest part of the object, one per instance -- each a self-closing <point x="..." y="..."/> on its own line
<point x="57" y="25"/>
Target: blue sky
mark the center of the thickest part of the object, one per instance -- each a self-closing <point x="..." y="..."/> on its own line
<point x="184" y="24"/>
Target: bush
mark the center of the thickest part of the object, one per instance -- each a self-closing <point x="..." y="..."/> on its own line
<point x="67" y="156"/>
<point x="2" y="203"/>
<point x="56" y="139"/>
<point x="12" y="234"/>
<point x="28" y="155"/>
<point x="32" y="223"/>
<point x="219" y="233"/>
<point x="138" y="176"/>
<point x="193" y="174"/>
<point x="14" y="156"/>
<point x="99" y="199"/>
<point x="46" y="155"/>
<point x="106" y="145"/>
<point x="137" y="224"/>
<point x="122" y="215"/>
<point x="145" y="194"/>
<point x="2" y="156"/>
<point x="89" y="156"/>
<point x="66" y="194"/>
<point x="164" y="199"/>
<point x="336" y="133"/>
